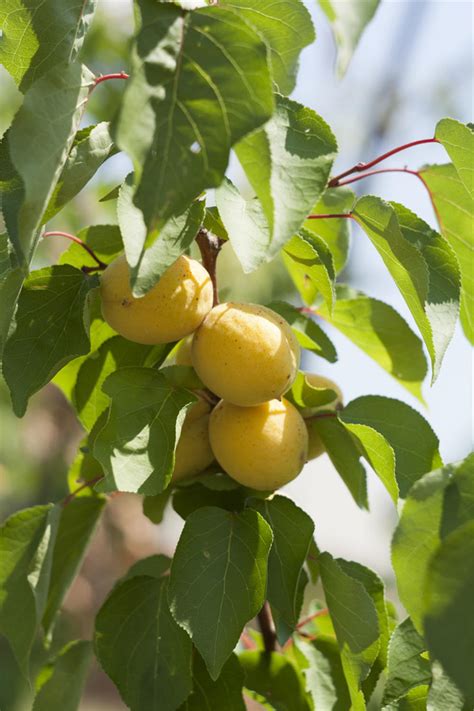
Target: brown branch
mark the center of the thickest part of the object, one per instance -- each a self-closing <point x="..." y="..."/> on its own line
<point x="210" y="245"/>
<point x="267" y="628"/>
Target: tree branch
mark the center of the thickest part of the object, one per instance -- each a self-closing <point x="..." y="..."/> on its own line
<point x="210" y="245"/>
<point x="267" y="627"/>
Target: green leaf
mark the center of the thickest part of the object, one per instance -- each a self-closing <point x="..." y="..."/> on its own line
<point x="218" y="579"/>
<point x="304" y="394"/>
<point x="84" y="468"/>
<point x="140" y="646"/>
<point x="442" y="304"/>
<point x="443" y="693"/>
<point x="149" y="257"/>
<point x="354" y="616"/>
<point x="76" y="526"/>
<point x="348" y="21"/>
<point x="437" y="505"/>
<point x="455" y="212"/>
<point x="380" y="331"/>
<point x="154" y="506"/>
<point x="224" y="693"/>
<point x="309" y="262"/>
<point x="92" y="146"/>
<point x="324" y="674"/>
<point x="99" y="332"/>
<point x="378" y="453"/>
<point x="26" y="550"/>
<point x="414" y="443"/>
<point x="213" y="223"/>
<point x="310" y="336"/>
<point x="335" y="232"/>
<point x="447" y="608"/>
<point x="188" y="498"/>
<point x="37" y="37"/>
<point x="292" y="536"/>
<point x="104" y="240"/>
<point x="50" y="330"/>
<point x="458" y="140"/>
<point x="51" y="112"/>
<point x="415" y="700"/>
<point x="88" y="397"/>
<point x="11" y="280"/>
<point x="375" y="588"/>
<point x="458" y="507"/>
<point x="288" y="163"/>
<point x="245" y="223"/>
<point x="200" y="81"/>
<point x="343" y="452"/>
<point x="276" y="679"/>
<point x="406" y="668"/>
<point x="155" y="566"/>
<point x="409" y="269"/>
<point x="65" y="678"/>
<point x="287" y="28"/>
<point x="137" y="444"/>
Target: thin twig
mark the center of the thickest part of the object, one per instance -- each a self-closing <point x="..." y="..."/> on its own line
<point x="106" y="77"/>
<point x="77" y="240"/>
<point x="90" y="482"/>
<point x="347" y="215"/>
<point x="306" y="620"/>
<point x="362" y="167"/>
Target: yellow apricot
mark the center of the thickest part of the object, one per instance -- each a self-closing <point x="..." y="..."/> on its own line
<point x="246" y="354"/>
<point x="262" y="447"/>
<point x="183" y="352"/>
<point x="172" y="309"/>
<point x="315" y="443"/>
<point x="193" y="452"/>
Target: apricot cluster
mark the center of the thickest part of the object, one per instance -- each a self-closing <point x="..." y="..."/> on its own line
<point x="245" y="354"/>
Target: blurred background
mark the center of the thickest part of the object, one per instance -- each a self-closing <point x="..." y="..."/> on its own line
<point x="413" y="66"/>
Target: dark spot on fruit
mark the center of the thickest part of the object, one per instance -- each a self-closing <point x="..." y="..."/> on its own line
<point x="126" y="302"/>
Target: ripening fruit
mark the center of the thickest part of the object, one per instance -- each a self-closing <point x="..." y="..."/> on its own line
<point x="246" y="354"/>
<point x="262" y="447"/>
<point x="315" y="443"/>
<point x="193" y="453"/>
<point x="172" y="309"/>
<point x="183" y="352"/>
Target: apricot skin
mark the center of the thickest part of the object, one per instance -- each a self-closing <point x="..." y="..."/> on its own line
<point x="262" y="447"/>
<point x="245" y="353"/>
<point x="315" y="443"/>
<point x="171" y="310"/>
<point x="193" y="452"/>
<point x="183" y="352"/>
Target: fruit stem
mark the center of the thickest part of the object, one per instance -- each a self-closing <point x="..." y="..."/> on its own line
<point x="267" y="627"/>
<point x="361" y="167"/>
<point x="210" y="245"/>
<point x="90" y="482"/>
<point x="89" y="250"/>
<point x="106" y="77"/>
